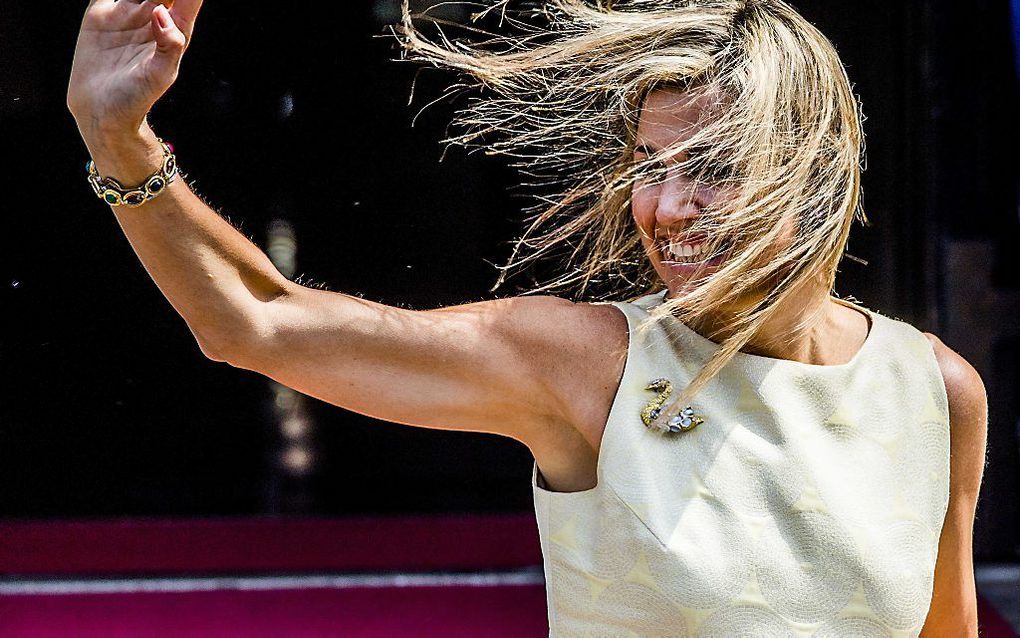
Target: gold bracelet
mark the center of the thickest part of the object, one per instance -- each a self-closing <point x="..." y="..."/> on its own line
<point x="115" y="194"/>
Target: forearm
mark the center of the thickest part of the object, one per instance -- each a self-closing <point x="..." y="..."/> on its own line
<point x="213" y="276"/>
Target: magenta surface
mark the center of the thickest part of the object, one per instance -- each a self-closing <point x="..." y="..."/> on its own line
<point x="448" y="612"/>
<point x="144" y="546"/>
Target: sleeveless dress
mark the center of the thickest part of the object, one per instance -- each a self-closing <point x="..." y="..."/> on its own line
<point x="809" y="502"/>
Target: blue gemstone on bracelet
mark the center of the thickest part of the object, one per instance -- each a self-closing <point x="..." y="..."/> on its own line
<point x="156" y="185"/>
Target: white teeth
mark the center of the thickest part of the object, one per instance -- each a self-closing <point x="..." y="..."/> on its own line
<point x="686" y="250"/>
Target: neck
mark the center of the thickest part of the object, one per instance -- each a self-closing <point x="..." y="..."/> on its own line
<point x="805" y="327"/>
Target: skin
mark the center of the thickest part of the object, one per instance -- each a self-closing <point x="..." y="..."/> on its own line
<point x="667" y="207"/>
<point x="541" y="370"/>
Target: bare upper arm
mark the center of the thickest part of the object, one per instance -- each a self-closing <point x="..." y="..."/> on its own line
<point x="508" y="366"/>
<point x="953" y="609"/>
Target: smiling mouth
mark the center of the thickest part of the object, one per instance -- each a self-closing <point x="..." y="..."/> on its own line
<point x="688" y="254"/>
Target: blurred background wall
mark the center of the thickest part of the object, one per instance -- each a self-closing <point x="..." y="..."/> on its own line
<point x="294" y="123"/>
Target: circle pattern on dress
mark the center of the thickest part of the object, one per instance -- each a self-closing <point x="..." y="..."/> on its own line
<point x="819" y="398"/>
<point x="853" y="627"/>
<point x="857" y="482"/>
<point x="923" y="472"/>
<point x="878" y="409"/>
<point x="639" y="609"/>
<point x="745" y="621"/>
<point x="707" y="558"/>
<point x="653" y="456"/>
<point x="751" y="475"/>
<point x="614" y="547"/>
<point x="569" y="594"/>
<point x="602" y="541"/>
<point x="806" y="566"/>
<point x="902" y="565"/>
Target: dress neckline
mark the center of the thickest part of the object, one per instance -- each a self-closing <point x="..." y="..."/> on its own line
<point x="708" y="346"/>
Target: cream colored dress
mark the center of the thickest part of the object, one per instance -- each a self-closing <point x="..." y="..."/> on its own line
<point x="809" y="502"/>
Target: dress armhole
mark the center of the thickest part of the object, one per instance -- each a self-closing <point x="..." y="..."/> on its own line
<point x="937" y="381"/>
<point x="537" y="481"/>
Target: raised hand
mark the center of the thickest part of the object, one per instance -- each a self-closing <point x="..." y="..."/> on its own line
<point x="128" y="55"/>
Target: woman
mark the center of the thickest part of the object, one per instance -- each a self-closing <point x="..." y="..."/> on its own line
<point x="731" y="450"/>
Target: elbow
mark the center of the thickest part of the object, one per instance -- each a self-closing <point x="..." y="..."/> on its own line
<point x="234" y="347"/>
<point x="242" y="340"/>
<point x="216" y="350"/>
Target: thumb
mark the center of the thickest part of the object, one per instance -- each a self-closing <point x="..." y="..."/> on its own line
<point x="170" y="42"/>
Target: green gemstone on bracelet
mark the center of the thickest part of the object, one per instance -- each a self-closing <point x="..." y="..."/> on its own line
<point x="115" y="194"/>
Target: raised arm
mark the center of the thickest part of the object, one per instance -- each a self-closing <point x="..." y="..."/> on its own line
<point x="522" y="367"/>
<point x="212" y="275"/>
<point x="525" y="367"/>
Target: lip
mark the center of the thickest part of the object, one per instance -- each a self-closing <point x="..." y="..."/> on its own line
<point x="690" y="238"/>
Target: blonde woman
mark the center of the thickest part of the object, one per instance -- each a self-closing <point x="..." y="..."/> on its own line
<point x="722" y="446"/>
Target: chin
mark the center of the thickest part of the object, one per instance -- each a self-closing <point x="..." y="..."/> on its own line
<point x="678" y="276"/>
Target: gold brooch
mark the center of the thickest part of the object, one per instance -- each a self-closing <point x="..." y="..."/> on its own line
<point x="682" y="422"/>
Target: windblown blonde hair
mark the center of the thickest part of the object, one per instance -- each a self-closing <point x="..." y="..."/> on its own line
<point x="563" y="98"/>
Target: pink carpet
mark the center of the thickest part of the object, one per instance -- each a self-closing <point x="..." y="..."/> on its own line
<point x="133" y="548"/>
<point x="447" y="612"/>
<point x="157" y="546"/>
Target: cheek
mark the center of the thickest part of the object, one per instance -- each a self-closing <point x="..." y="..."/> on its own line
<point x="720" y="197"/>
<point x="642" y="208"/>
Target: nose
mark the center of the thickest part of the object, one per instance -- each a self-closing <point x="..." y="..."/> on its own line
<point x="679" y="200"/>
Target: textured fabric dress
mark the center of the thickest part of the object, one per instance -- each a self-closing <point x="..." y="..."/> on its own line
<point x="809" y="502"/>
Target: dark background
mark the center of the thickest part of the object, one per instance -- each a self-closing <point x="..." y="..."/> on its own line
<point x="300" y="114"/>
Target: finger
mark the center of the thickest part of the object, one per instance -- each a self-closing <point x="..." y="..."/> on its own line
<point x="166" y="3"/>
<point x="170" y="42"/>
<point x="184" y="13"/>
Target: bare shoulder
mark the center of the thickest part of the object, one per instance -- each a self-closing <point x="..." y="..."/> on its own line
<point x="964" y="386"/>
<point x="547" y="320"/>
<point x="968" y="416"/>
<point x="552" y="327"/>
<point x="556" y="332"/>
<point x="581" y="350"/>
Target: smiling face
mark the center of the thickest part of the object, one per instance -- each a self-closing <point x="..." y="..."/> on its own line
<point x="665" y="207"/>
